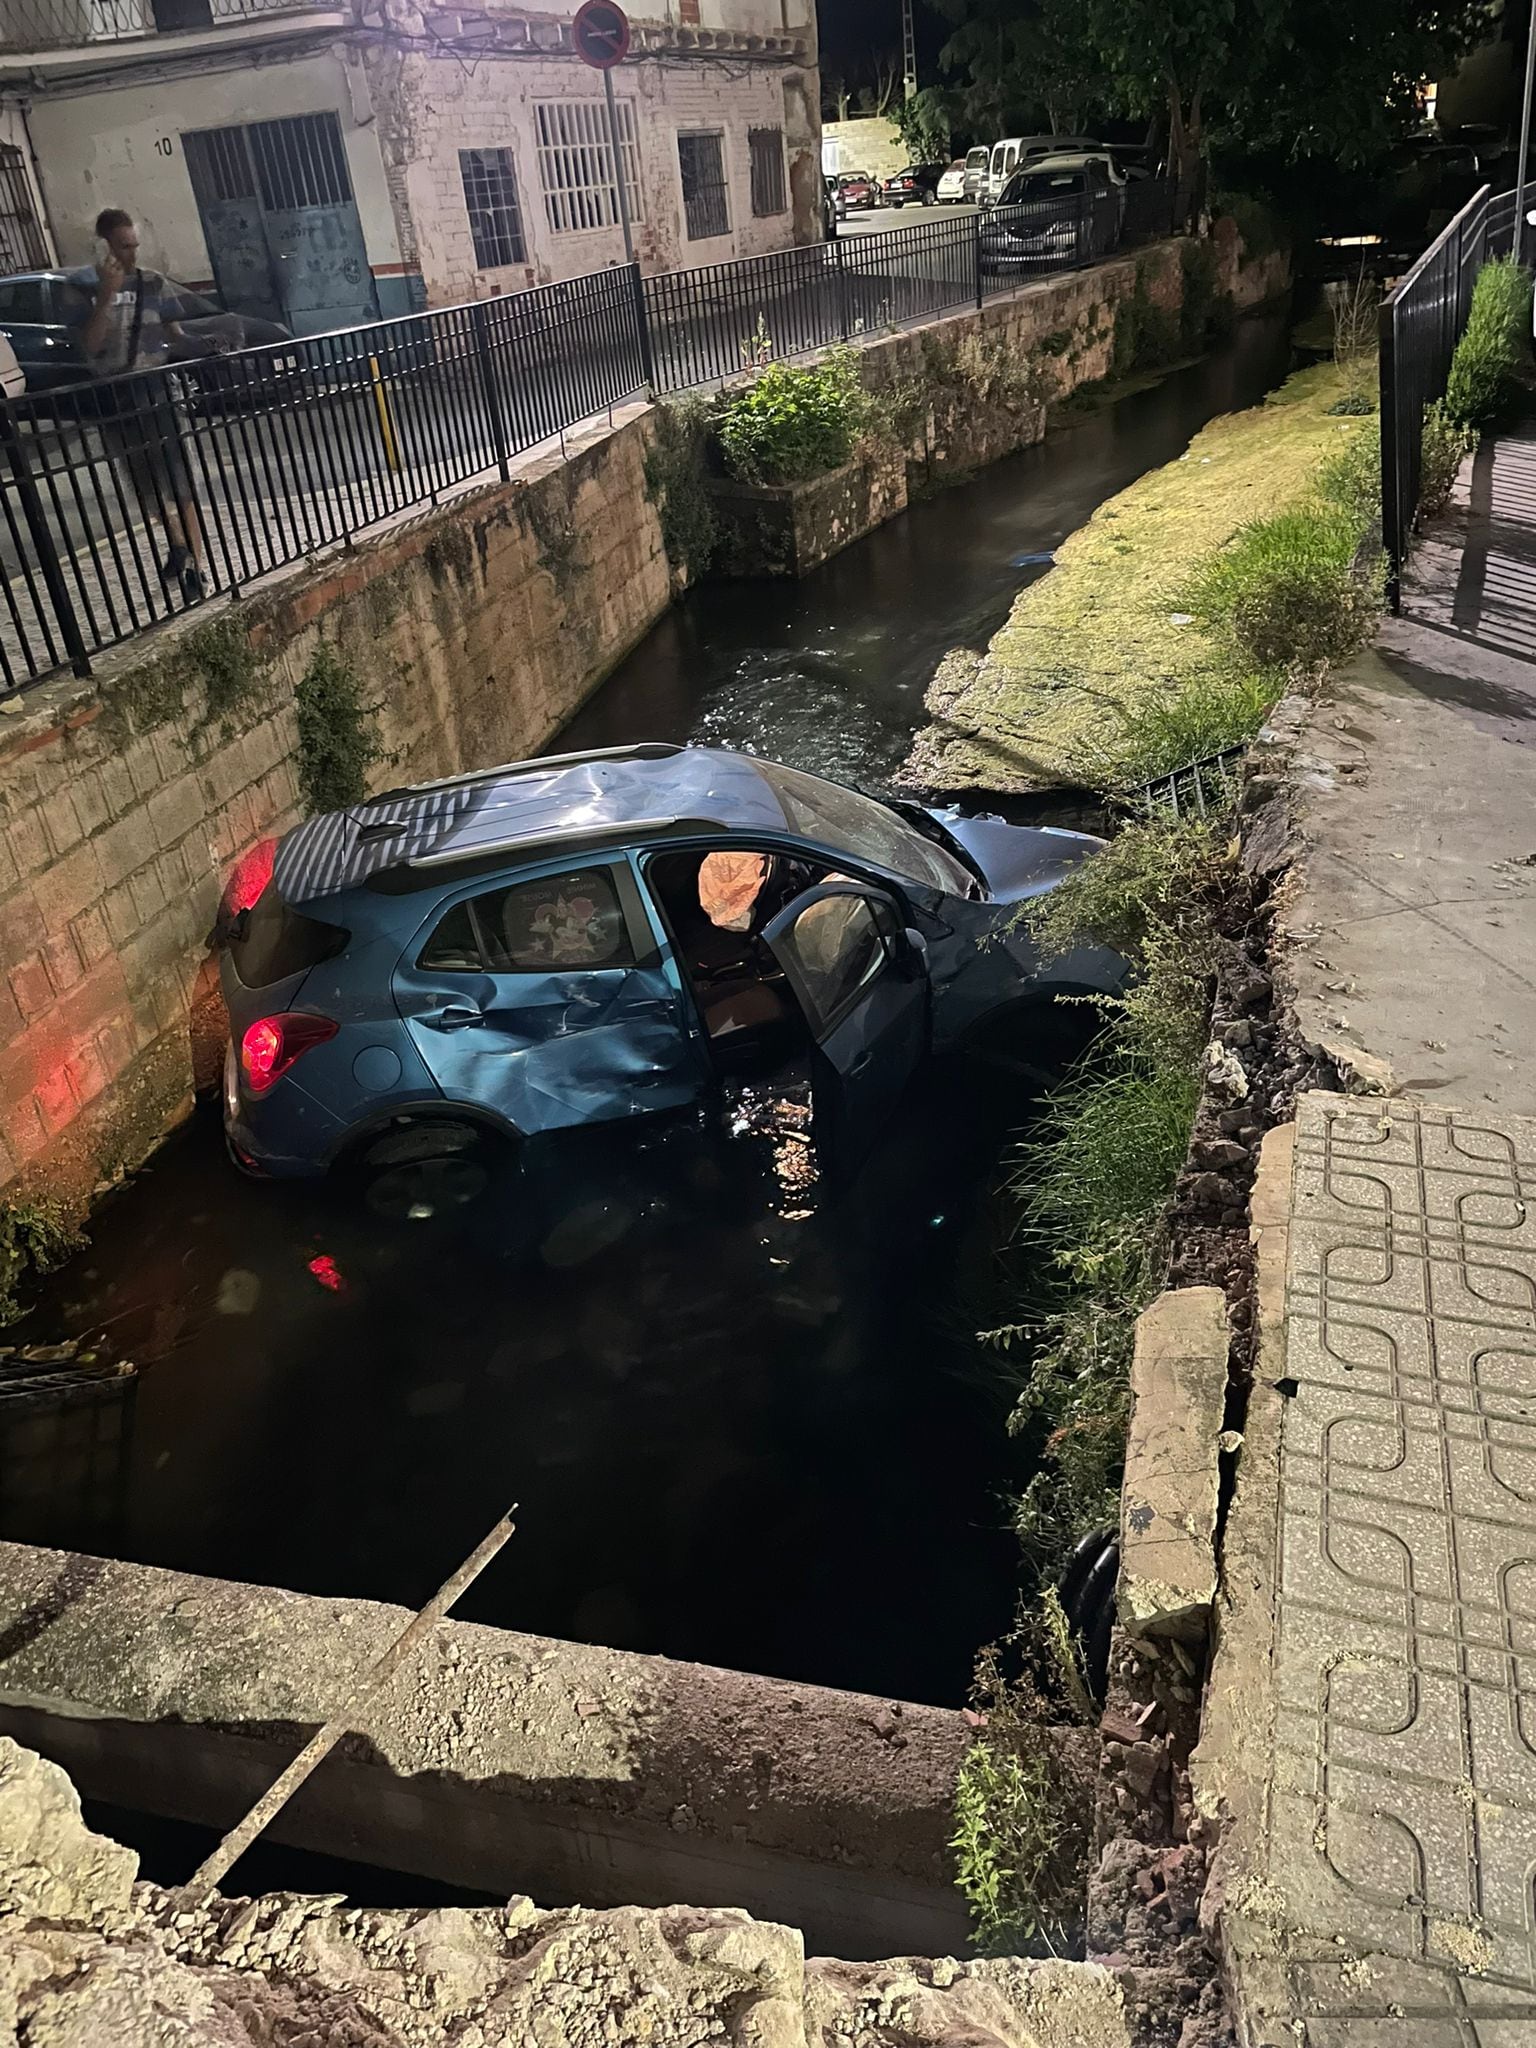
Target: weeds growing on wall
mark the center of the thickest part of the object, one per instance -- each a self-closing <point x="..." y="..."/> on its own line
<point x="676" y="463"/>
<point x="1146" y="334"/>
<point x="35" y="1238"/>
<point x="338" y="739"/>
<point x="1493" y="357"/>
<point x="789" y="425"/>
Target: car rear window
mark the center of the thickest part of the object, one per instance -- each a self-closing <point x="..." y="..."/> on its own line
<point x="270" y="941"/>
<point x="556" y="921"/>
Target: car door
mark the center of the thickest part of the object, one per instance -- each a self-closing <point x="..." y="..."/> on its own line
<point x="861" y="981"/>
<point x="545" y="1000"/>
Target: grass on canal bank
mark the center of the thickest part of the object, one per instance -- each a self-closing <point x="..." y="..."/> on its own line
<point x="1105" y="662"/>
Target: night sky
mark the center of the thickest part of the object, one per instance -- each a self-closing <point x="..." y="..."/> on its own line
<point x="851" y="30"/>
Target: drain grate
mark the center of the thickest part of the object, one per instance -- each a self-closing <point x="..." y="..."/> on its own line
<point x="1199" y="789"/>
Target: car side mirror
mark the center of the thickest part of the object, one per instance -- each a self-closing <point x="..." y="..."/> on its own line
<point x="912" y="958"/>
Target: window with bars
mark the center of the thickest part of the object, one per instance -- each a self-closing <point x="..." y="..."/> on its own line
<point x="21" y="237"/>
<point x="576" y="163"/>
<point x="300" y="161"/>
<point x="768" y="190"/>
<point x="490" y="197"/>
<point x="701" y="159"/>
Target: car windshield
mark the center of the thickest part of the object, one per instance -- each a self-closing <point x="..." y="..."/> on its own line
<point x="861" y="826"/>
<point x="1042" y="185"/>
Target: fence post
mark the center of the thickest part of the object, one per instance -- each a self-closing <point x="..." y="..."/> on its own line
<point x="976" y="220"/>
<point x="37" y="527"/>
<point x="490" y="397"/>
<point x="1391" y="460"/>
<point x="643" y="328"/>
<point x="844" y="324"/>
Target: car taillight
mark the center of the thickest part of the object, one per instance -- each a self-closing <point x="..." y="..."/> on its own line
<point x="249" y="878"/>
<point x="272" y="1044"/>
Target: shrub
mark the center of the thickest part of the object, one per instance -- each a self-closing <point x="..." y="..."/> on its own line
<point x="35" y="1238"/>
<point x="1286" y="589"/>
<point x="1445" y="443"/>
<point x="1486" y="369"/>
<point x="675" y="464"/>
<point x="1351" y="479"/>
<point x="337" y="738"/>
<point x="789" y="425"/>
<point x="1021" y="1839"/>
<point x="1204" y="715"/>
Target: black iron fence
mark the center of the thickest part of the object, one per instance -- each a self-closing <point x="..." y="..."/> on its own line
<point x="125" y="501"/>
<point x="1421" y="322"/>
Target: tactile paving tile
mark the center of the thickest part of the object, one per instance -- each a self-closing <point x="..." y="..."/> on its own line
<point x="1404" y="1813"/>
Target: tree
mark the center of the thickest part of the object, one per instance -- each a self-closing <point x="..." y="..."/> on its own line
<point x="877" y="98"/>
<point x="1329" y="78"/>
<point x="924" y="124"/>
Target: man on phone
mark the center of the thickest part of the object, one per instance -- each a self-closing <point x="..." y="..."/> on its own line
<point x="128" y="321"/>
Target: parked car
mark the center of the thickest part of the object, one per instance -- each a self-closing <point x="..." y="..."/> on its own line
<point x="917" y="185"/>
<point x="1015" y="151"/>
<point x="1050" y="218"/>
<point x="951" y="187"/>
<point x="39" y="315"/>
<point x="976" y="162"/>
<point x="860" y="191"/>
<point x="589" y="937"/>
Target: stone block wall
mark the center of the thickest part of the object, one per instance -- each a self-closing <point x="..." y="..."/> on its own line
<point x="474" y="632"/>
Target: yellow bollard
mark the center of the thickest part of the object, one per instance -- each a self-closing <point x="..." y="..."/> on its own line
<point x="386" y="417"/>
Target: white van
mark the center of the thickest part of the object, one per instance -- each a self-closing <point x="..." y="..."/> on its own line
<point x="1016" y="149"/>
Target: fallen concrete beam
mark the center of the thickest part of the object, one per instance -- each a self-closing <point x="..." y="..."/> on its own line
<point x="1168" y="1499"/>
<point x="501" y="1762"/>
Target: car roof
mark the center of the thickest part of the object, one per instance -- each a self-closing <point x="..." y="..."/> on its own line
<point x="411" y="838"/>
<point x="36" y="277"/>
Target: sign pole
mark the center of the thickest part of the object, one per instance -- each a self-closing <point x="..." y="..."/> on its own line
<point x="620" y="182"/>
<point x="1521" y="182"/>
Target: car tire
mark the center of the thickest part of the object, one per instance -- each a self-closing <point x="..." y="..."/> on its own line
<point x="425" y="1167"/>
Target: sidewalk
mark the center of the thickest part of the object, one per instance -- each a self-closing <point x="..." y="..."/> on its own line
<point x="1370" y="1730"/>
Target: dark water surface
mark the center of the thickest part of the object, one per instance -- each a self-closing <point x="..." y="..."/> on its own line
<point x="737" y="1432"/>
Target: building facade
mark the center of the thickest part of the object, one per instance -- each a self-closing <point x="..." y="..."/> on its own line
<point x="326" y="165"/>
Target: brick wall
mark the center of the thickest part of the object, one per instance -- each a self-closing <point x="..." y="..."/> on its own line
<point x="477" y="630"/>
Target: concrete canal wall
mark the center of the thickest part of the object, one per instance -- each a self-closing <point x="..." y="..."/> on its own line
<point x="472" y="632"/>
<point x="499" y="1762"/>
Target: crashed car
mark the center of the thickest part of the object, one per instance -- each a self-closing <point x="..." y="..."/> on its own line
<point x="595" y="937"/>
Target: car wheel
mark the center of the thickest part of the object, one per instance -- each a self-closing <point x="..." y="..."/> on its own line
<point x="429" y="1167"/>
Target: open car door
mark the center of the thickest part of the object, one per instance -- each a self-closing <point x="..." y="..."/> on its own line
<point x="861" y="981"/>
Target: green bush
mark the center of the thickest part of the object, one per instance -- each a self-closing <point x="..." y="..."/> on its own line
<point x="789" y="425"/>
<point x="338" y="741"/>
<point x="1445" y="443"/>
<point x="1286" y="589"/>
<point x="1351" y="479"/>
<point x="1485" y="380"/>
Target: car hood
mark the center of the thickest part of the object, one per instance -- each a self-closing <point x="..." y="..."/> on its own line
<point x="986" y="960"/>
<point x="1018" y="861"/>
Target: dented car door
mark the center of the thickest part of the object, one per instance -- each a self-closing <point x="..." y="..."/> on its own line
<point x="546" y="997"/>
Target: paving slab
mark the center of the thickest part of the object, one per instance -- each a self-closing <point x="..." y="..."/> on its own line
<point x="1371" y="1741"/>
<point x="1409" y="922"/>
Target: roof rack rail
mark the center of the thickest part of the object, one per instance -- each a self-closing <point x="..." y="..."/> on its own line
<point x="647" y="750"/>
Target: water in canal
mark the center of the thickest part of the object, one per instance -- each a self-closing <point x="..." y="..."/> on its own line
<point x="737" y="1433"/>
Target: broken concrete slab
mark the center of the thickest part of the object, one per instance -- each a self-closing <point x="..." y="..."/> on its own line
<point x="88" y="1961"/>
<point x="493" y="1760"/>
<point x="1169" y="1494"/>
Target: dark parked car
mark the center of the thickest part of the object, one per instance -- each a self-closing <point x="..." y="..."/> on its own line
<point x="859" y="191"/>
<point x="1050" y="219"/>
<point x="917" y="185"/>
<point x="591" y="937"/>
<point x="40" y="309"/>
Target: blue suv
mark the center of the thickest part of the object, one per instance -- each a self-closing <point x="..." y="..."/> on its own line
<point x="594" y="937"/>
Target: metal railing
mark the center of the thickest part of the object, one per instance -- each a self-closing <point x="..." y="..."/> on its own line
<point x="1421" y="322"/>
<point x="250" y="461"/>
